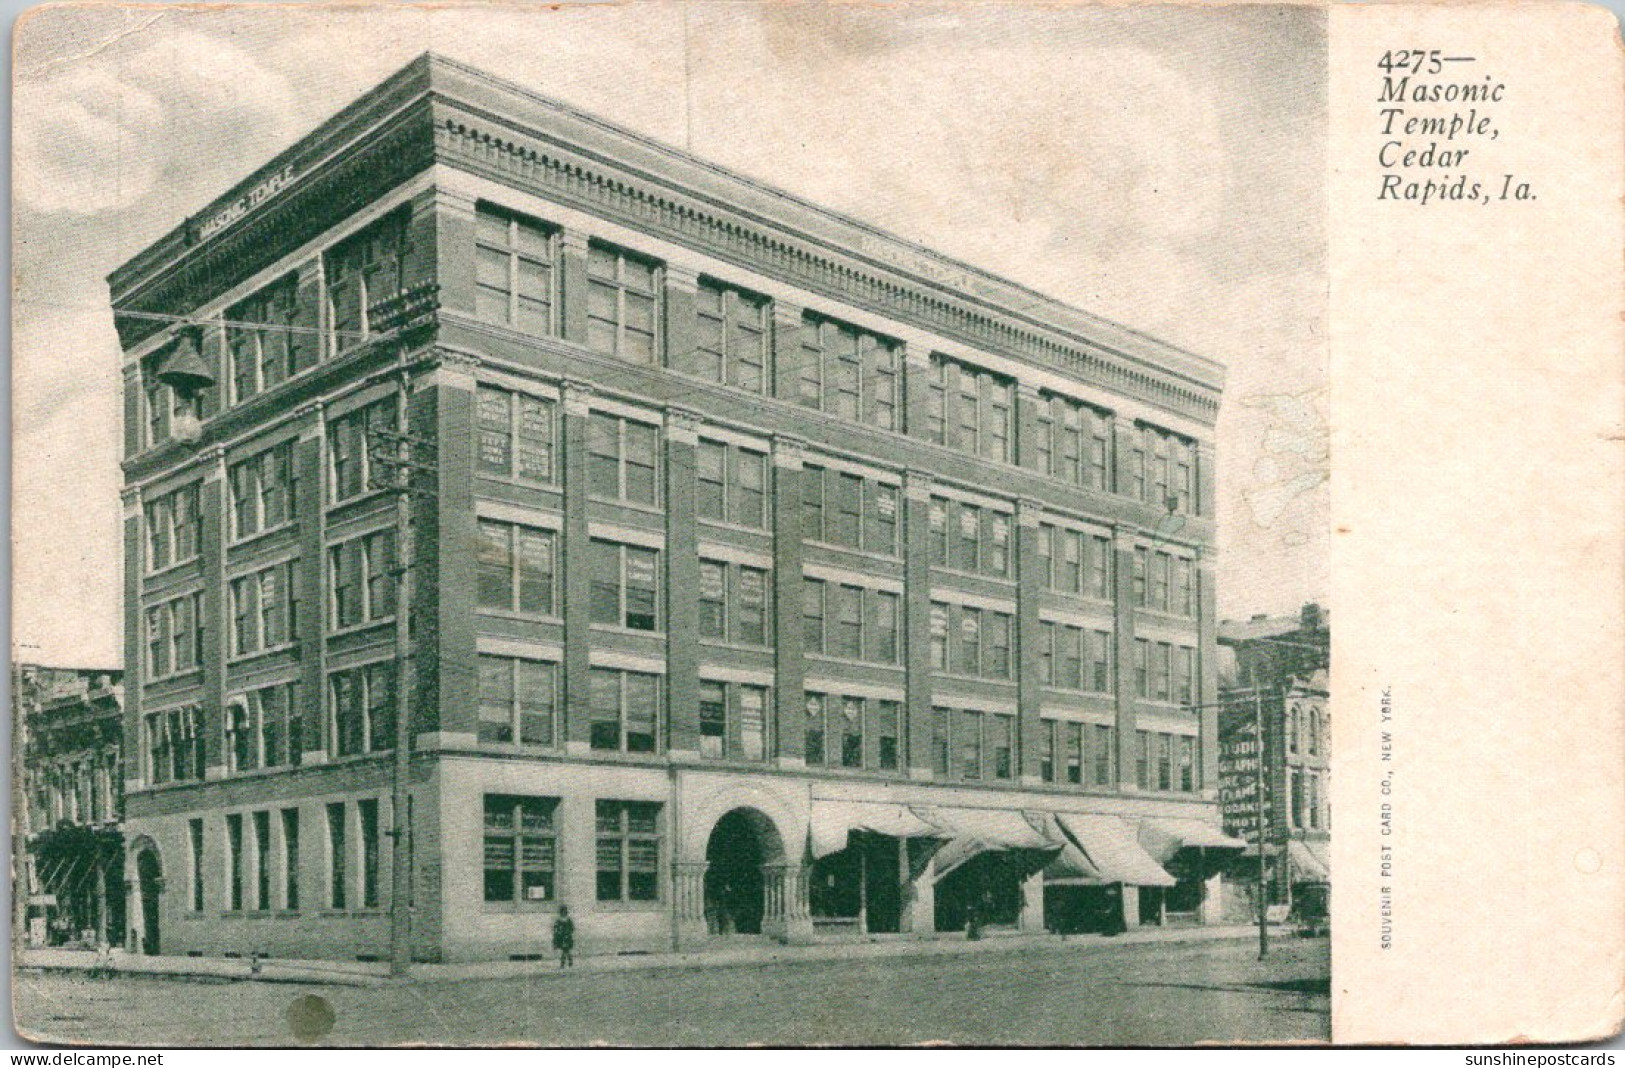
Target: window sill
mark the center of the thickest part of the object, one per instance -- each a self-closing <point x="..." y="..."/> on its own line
<point x="607" y="628"/>
<point x="636" y="506"/>
<point x="831" y="658"/>
<point x="270" y="650"/>
<point x="518" y="480"/>
<point x="630" y="906"/>
<point x="983" y="575"/>
<point x="954" y="676"/>
<point x="192" y="673"/>
<point x="245" y="540"/>
<point x="744" y="647"/>
<point x="515" y="614"/>
<point x="356" y="498"/>
<point x="518" y="908"/>
<point x="172" y="567"/>
<point x="357" y="628"/>
<point x="723" y="524"/>
<point x="869" y="554"/>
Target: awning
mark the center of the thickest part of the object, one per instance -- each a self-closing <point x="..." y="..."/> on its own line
<point x="1070" y="867"/>
<point x="984" y="830"/>
<point x="1113" y="848"/>
<point x="834" y="821"/>
<point x="1308" y="864"/>
<point x="1163" y="837"/>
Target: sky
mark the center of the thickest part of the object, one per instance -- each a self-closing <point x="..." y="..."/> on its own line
<point x="1163" y="167"/>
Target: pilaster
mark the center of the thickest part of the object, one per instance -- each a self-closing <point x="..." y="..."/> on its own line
<point x="1029" y="685"/>
<point x="310" y="464"/>
<point x="682" y="583"/>
<point x="574" y="557"/>
<point x="1207" y="682"/>
<point x="786" y="368"/>
<point x="789" y="690"/>
<point x="214" y="613"/>
<point x="1028" y="427"/>
<point x="444" y="570"/>
<point x="680" y="285"/>
<point x="454" y="223"/>
<point x="135" y="664"/>
<point x="916" y="387"/>
<point x="1124" y="677"/>
<point x="573" y="286"/>
<point x="1207" y="468"/>
<point x="917" y="622"/>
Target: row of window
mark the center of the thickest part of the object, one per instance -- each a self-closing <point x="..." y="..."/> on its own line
<point x="1077" y="753"/>
<point x="522" y="854"/>
<point x="1164" y="671"/>
<point x="848" y="510"/>
<point x="1164" y="582"/>
<point x="973" y="745"/>
<point x="1074" y="658"/>
<point x="1308" y="729"/>
<point x="1165" y="761"/>
<point x="970" y="641"/>
<point x="85" y="791"/>
<point x="968" y="537"/>
<point x="260" y="877"/>
<point x="853" y="732"/>
<point x="175" y="636"/>
<point x="1072" y="561"/>
<point x="851" y="622"/>
<point x="1309" y="799"/>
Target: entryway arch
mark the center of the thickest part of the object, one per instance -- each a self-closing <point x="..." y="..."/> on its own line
<point x="745" y="858"/>
<point x="149" y="887"/>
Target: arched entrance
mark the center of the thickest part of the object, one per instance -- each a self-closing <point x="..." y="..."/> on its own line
<point x="149" y="876"/>
<point x="743" y="844"/>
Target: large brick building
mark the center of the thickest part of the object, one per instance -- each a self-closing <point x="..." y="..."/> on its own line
<point x="768" y="574"/>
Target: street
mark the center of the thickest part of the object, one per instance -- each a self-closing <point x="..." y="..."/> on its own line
<point x="1091" y="993"/>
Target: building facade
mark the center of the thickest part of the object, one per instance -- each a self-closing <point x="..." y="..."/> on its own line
<point x="763" y="574"/>
<point x="1278" y="678"/>
<point x="70" y="804"/>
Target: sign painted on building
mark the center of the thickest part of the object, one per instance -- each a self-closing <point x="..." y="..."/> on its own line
<point x="1239" y="782"/>
<point x="246" y="203"/>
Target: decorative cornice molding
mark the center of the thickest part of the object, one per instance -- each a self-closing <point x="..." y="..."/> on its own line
<point x="577" y="398"/>
<point x="683" y="426"/>
<point x="788" y="452"/>
<point x="684" y="218"/>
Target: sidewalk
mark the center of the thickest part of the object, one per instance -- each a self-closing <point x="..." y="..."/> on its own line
<point x="360" y="973"/>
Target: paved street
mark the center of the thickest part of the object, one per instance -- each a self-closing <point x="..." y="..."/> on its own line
<point x="1054" y="993"/>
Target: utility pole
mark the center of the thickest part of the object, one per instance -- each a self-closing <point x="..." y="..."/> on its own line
<point x="397" y="457"/>
<point x="1263" y="812"/>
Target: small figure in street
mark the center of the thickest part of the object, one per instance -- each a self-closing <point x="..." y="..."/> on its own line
<point x="973" y="923"/>
<point x="564" y="937"/>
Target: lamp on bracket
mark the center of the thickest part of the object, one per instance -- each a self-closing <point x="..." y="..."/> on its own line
<point x="184" y="370"/>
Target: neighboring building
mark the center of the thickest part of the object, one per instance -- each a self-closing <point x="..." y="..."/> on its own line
<point x="772" y="575"/>
<point x="71" y="803"/>
<point x="1279" y="677"/>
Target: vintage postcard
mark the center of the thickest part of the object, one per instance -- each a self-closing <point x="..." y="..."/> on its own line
<point x="717" y="524"/>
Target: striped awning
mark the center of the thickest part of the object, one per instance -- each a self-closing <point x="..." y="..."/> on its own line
<point x="1162" y="837"/>
<point x="1111" y="844"/>
<point x="984" y="830"/>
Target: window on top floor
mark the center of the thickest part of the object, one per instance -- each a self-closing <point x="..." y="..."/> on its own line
<point x="731" y="338"/>
<point x="514" y="276"/>
<point x="848" y="372"/>
<point x="1162" y="470"/>
<point x="1073" y="442"/>
<point x="969" y="409"/>
<point x="362" y="272"/>
<point x="623" y="306"/>
<point x="270" y="337"/>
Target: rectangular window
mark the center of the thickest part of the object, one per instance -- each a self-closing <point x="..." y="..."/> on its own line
<point x="361" y="273"/>
<point x="290" y="859"/>
<point x="731" y="339"/>
<point x="194" y="837"/>
<point x="842" y="523"/>
<point x="1069" y="658"/>
<point x="1182" y="675"/>
<point x="970" y="642"/>
<point x="1074" y="753"/>
<point x="981" y="405"/>
<point x="940" y="741"/>
<point x="624" y="710"/>
<point x="969" y="736"/>
<point x="1001" y="738"/>
<point x="812" y="614"/>
<point x="1165" y="761"/>
<point x="514" y="275"/>
<point x="521" y="848"/>
<point x="235" y="860"/>
<point x="349" y="448"/>
<point x="362" y="573"/>
<point x="262" y="491"/>
<point x="1100" y="448"/>
<point x="1180" y="602"/>
<point x="880" y="632"/>
<point x="713" y="719"/>
<point x="888" y="725"/>
<point x="367" y="812"/>
<point x="337" y="855"/>
<point x="851" y="732"/>
<point x="880" y="518"/>
<point x="517" y="700"/>
<point x="1046" y="750"/>
<point x="262" y="861"/>
<point x="1161" y="669"/>
<point x="750" y="601"/>
<point x="1100" y="567"/>
<point x="815" y="730"/>
<point x="713" y="600"/>
<point x="848" y="622"/>
<point x="997" y="633"/>
<point x="628" y="851"/>
<point x="937" y="531"/>
<point x="1105" y="754"/>
<point x="172" y="528"/>
<point x="968" y="537"/>
<point x="1187" y="763"/>
<point x="812" y="503"/>
<point x="752" y="721"/>
<point x="623" y="460"/>
<point x="270" y="337"/>
<point x="516" y="435"/>
<point x="515" y="568"/>
<point x="939" y="636"/>
<point x="361" y="717"/>
<point x="241" y="749"/>
<point x="1045" y="652"/>
<point x="848" y="372"/>
<point x="1100" y="661"/>
<point x="622" y="304"/>
<point x="625" y="586"/>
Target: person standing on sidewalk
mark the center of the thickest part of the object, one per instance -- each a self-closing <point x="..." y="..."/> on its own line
<point x="564" y="937"/>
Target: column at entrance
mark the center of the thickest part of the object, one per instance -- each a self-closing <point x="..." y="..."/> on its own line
<point x="688" y="893"/>
<point x="785" y="913"/>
